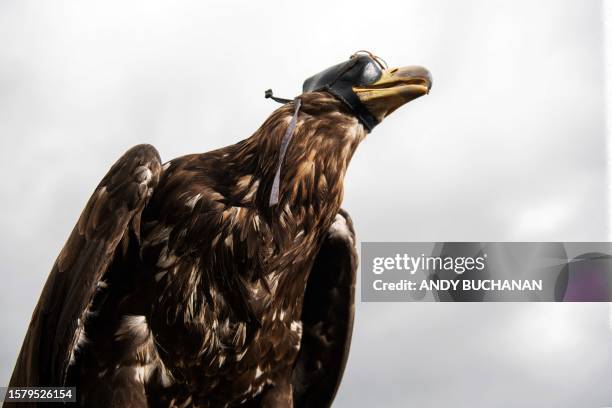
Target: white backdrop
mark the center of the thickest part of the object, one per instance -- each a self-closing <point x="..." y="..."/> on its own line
<point x="509" y="145"/>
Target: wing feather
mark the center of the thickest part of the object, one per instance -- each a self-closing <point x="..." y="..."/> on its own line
<point x="57" y="322"/>
<point x="327" y="318"/>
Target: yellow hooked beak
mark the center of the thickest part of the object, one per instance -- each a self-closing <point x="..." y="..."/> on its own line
<point x="395" y="87"/>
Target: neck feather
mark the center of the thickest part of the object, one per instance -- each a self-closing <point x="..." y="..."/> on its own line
<point x="316" y="160"/>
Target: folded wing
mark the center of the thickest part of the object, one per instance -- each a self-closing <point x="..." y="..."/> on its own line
<point x="57" y="322"/>
<point x="327" y="318"/>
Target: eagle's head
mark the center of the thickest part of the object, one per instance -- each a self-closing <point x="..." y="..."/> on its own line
<point x="370" y="89"/>
<point x="303" y="149"/>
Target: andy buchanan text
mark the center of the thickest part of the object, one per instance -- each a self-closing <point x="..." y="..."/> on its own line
<point x="465" y="284"/>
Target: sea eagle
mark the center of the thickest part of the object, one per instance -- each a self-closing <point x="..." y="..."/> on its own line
<point x="199" y="283"/>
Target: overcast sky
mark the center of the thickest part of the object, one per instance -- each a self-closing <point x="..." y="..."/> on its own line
<point x="509" y="146"/>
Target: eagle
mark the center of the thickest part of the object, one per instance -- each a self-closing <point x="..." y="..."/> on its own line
<point x="219" y="279"/>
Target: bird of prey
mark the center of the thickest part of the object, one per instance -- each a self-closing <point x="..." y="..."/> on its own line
<point x="224" y="278"/>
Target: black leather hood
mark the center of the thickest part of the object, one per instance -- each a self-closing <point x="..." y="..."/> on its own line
<point x="359" y="70"/>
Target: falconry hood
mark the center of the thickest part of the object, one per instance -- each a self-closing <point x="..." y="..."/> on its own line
<point x="370" y="89"/>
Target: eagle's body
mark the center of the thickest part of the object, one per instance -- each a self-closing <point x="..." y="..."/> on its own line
<point x="193" y="283"/>
<point x="204" y="307"/>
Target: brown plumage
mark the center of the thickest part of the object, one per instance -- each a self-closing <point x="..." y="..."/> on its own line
<point x="181" y="286"/>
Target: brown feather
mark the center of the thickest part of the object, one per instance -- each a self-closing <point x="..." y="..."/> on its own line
<point x="211" y="299"/>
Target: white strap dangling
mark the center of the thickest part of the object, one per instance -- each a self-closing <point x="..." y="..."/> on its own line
<point x="283" y="149"/>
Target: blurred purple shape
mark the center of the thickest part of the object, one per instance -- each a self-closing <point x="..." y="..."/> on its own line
<point x="589" y="279"/>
